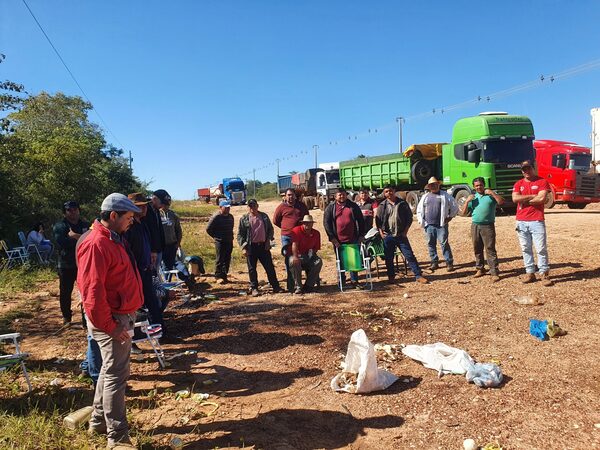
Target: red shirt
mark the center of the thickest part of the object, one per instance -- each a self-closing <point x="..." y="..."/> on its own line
<point x="305" y="241"/>
<point x="107" y="279"/>
<point x="287" y="217"/>
<point x="344" y="223"/>
<point x="530" y="213"/>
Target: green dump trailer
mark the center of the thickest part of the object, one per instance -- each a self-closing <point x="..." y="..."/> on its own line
<point x="490" y="145"/>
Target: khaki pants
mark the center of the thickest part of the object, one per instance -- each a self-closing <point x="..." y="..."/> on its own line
<point x="109" y="400"/>
<point x="484" y="236"/>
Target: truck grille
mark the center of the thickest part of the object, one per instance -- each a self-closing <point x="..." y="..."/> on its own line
<point x="588" y="185"/>
<point x="506" y="179"/>
<point x="237" y="197"/>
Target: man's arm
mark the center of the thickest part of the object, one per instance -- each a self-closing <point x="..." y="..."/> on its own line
<point x="277" y="217"/>
<point x="499" y="199"/>
<point x="452" y="207"/>
<point x="178" y="230"/>
<point x="420" y="208"/>
<point x="242" y="235"/>
<point x="210" y="227"/>
<point x="518" y="198"/>
<point x="465" y="207"/>
<point x="539" y="198"/>
<point x="61" y="236"/>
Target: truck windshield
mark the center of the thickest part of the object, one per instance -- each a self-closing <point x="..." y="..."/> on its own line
<point x="332" y="177"/>
<point x="507" y="151"/>
<point x="235" y="186"/>
<point x="580" y="161"/>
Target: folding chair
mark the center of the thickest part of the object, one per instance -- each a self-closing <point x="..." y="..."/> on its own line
<point x="376" y="252"/>
<point x="16" y="255"/>
<point x="10" y="360"/>
<point x="353" y="258"/>
<point x="150" y="333"/>
<point x="30" y="248"/>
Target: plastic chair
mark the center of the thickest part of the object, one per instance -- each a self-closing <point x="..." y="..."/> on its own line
<point x="16" y="255"/>
<point x="30" y="248"/>
<point x="353" y="258"/>
<point x="376" y="252"/>
<point x="16" y="358"/>
<point x="151" y="334"/>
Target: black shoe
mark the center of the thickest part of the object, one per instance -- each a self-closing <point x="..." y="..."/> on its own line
<point x="277" y="290"/>
<point x="135" y="350"/>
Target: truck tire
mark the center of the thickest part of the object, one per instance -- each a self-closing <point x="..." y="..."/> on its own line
<point x="461" y="198"/>
<point x="572" y="205"/>
<point x="412" y="198"/>
<point x="421" y="171"/>
<point x="550" y="200"/>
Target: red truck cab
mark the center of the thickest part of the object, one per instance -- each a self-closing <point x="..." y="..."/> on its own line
<point x="567" y="167"/>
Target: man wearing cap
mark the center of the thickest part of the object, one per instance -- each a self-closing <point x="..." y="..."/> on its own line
<point x="393" y="220"/>
<point x="111" y="291"/>
<point x="255" y="232"/>
<point x="138" y="238"/>
<point x="368" y="208"/>
<point x="220" y="228"/>
<point x="434" y="211"/>
<point x="529" y="194"/>
<point x="157" y="233"/>
<point x="482" y="205"/>
<point x="172" y="229"/>
<point x="66" y="233"/>
<point x="306" y="242"/>
<point x="344" y="224"/>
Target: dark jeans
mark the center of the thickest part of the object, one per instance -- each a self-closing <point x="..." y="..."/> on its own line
<point x="223" y="249"/>
<point x="66" y="279"/>
<point x="258" y="252"/>
<point x="151" y="301"/>
<point x="168" y="255"/>
<point x="390" y="243"/>
<point x="312" y="266"/>
<point x="434" y="234"/>
<point x="484" y="236"/>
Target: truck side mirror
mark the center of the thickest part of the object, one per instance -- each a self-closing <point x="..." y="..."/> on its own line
<point x="474" y="156"/>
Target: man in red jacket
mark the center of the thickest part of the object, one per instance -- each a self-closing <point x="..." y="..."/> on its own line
<point x="111" y="291"/>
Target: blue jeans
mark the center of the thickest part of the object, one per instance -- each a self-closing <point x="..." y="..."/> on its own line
<point x="93" y="360"/>
<point x="433" y="235"/>
<point x="533" y="233"/>
<point x="390" y="243"/>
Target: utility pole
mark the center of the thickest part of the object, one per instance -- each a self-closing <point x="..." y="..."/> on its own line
<point x="316" y="149"/>
<point x="130" y="160"/>
<point x="254" y="182"/>
<point x="277" y="161"/>
<point x="400" y="120"/>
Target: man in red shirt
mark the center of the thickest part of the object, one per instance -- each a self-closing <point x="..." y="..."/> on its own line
<point x="529" y="194"/>
<point x="111" y="291"/>
<point x="344" y="224"/>
<point x="306" y="242"/>
<point x="289" y="214"/>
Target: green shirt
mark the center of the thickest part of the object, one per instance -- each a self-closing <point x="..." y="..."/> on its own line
<point x="483" y="208"/>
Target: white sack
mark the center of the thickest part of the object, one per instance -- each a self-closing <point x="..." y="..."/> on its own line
<point x="440" y="357"/>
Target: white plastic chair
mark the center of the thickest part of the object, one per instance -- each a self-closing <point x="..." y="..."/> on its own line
<point x="16" y="358"/>
<point x="152" y="333"/>
<point x="16" y="255"/>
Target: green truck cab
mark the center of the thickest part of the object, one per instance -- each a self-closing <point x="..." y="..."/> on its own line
<point x="490" y="145"/>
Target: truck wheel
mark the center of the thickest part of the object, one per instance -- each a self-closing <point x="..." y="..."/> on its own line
<point x="421" y="171"/>
<point x="572" y="205"/>
<point x="461" y="198"/>
<point x="412" y="198"/>
<point x="550" y="200"/>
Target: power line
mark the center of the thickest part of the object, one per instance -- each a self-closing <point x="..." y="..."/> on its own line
<point x="70" y="73"/>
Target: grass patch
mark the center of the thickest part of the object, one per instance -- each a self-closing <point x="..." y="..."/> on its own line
<point x="193" y="208"/>
<point x="24" y="279"/>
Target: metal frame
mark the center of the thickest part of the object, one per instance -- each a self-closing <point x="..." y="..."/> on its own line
<point x="10" y="360"/>
<point x="152" y="339"/>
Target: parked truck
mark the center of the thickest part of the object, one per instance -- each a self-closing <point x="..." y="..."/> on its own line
<point x="491" y="145"/>
<point x="316" y="187"/>
<point x="232" y="189"/>
<point x="569" y="171"/>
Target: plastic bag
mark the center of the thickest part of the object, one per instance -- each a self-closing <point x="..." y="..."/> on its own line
<point x="440" y="357"/>
<point x="360" y="372"/>
<point x="485" y="375"/>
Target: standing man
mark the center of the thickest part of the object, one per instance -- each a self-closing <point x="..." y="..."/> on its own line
<point x="157" y="233"/>
<point x="111" y="291"/>
<point x="255" y="232"/>
<point x="393" y="220"/>
<point x="529" y="194"/>
<point x="306" y="242"/>
<point x="172" y="229"/>
<point x="368" y="208"/>
<point x="434" y="211"/>
<point x="344" y="224"/>
<point x="289" y="214"/>
<point x="220" y="228"/>
<point x="66" y="233"/>
<point x="482" y="205"/>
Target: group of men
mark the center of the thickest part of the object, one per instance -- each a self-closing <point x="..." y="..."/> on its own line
<point x="347" y="222"/>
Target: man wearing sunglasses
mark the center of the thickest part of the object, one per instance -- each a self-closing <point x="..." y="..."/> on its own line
<point x="529" y="194"/>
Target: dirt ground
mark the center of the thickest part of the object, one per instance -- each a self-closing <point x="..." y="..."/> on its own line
<point x="267" y="362"/>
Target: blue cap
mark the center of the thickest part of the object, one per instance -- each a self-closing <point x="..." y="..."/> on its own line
<point x="225" y="203"/>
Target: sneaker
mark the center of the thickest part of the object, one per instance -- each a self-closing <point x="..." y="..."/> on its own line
<point x="98" y="429"/>
<point x="277" y="290"/>
<point x="528" y="278"/>
<point x="450" y="268"/>
<point x="433" y="267"/>
<point x="546" y="281"/>
<point x="391" y="280"/>
<point x="479" y="273"/>
<point x="298" y="291"/>
<point x="495" y="278"/>
<point x="135" y="350"/>
<point x="356" y="285"/>
<point x="422" y="280"/>
<point x="255" y="292"/>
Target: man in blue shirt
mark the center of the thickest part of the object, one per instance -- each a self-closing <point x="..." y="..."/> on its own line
<point x="482" y="205"/>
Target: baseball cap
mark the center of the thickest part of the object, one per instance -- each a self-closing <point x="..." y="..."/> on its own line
<point x="163" y="196"/>
<point x="526" y="163"/>
<point x="252" y="202"/>
<point x="118" y="202"/>
<point x="138" y="199"/>
<point x="225" y="204"/>
<point x="71" y="204"/>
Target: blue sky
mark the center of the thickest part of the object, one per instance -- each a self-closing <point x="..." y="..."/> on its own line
<point x="201" y="90"/>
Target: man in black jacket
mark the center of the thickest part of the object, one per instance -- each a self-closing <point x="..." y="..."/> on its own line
<point x="155" y="227"/>
<point x="220" y="228"/>
<point x="393" y="220"/>
<point x="344" y="224"/>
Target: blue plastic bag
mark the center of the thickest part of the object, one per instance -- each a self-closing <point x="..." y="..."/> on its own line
<point x="539" y="329"/>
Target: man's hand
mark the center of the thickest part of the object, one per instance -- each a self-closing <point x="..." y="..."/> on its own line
<point x="295" y="260"/>
<point x="471" y="197"/>
<point x="382" y="233"/>
<point x="120" y="334"/>
<point x="245" y="252"/>
<point x="335" y="243"/>
<point x="73" y="235"/>
<point x="153" y="257"/>
<point x="488" y="191"/>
